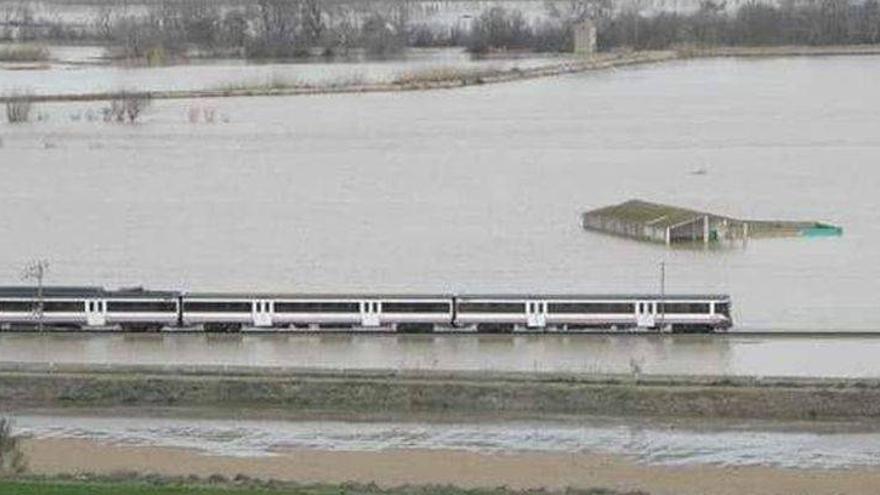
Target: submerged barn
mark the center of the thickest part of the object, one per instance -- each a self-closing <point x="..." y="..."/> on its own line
<point x="656" y="222"/>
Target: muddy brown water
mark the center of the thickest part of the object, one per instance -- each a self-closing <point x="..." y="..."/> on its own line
<point x="477" y="189"/>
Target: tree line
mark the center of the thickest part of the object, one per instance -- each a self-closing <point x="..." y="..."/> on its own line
<point x="810" y="22"/>
<point x="292" y="28"/>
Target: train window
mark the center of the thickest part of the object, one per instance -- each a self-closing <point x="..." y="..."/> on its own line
<point x="62" y="306"/>
<point x="141" y="306"/>
<point x="592" y="308"/>
<point x="217" y="306"/>
<point x="722" y="309"/>
<point x="10" y="306"/>
<point x="415" y="307"/>
<point x="685" y="308"/>
<point x="491" y="307"/>
<point x="317" y="307"/>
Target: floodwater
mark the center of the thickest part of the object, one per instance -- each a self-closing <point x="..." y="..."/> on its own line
<point x="849" y="356"/>
<point x="728" y="445"/>
<point x="478" y="189"/>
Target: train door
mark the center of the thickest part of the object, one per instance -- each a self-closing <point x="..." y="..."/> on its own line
<point x="370" y="311"/>
<point x="646" y="313"/>
<point x="536" y="314"/>
<point x="261" y="310"/>
<point x="96" y="312"/>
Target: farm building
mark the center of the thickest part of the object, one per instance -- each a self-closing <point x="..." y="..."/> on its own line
<point x="670" y="224"/>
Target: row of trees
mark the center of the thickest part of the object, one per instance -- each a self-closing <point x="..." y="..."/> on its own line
<point x="820" y="22"/>
<point x="266" y="29"/>
<point x="289" y="28"/>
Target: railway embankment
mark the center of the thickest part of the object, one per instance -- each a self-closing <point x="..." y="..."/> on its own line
<point x="402" y="393"/>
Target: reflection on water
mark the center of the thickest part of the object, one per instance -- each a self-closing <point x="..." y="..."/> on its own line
<point x="680" y="354"/>
<point x="736" y="445"/>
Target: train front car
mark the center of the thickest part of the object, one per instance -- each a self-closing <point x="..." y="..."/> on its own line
<point x="86" y="308"/>
<point x="25" y="308"/>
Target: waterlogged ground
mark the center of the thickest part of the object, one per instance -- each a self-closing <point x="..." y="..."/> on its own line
<point x="477" y="189"/>
<point x="729" y="445"/>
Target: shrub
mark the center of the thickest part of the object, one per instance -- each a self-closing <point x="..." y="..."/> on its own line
<point x="126" y="107"/>
<point x="12" y="460"/>
<point x="18" y="110"/>
<point x="24" y="53"/>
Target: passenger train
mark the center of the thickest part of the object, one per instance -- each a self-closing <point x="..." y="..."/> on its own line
<point x="137" y="309"/>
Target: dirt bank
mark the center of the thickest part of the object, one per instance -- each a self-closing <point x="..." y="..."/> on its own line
<point x="402" y="393"/>
<point x="465" y="469"/>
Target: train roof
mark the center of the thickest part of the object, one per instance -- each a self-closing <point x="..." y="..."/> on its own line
<point x="600" y="297"/>
<point x="138" y="292"/>
<point x="56" y="291"/>
<point x="314" y="295"/>
<point x="550" y="297"/>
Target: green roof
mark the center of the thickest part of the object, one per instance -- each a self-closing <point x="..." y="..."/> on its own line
<point x="654" y="214"/>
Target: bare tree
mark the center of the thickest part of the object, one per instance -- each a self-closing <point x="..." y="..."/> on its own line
<point x="12" y="459"/>
<point x="313" y="24"/>
<point x="574" y="11"/>
<point x="36" y="271"/>
<point x="103" y="23"/>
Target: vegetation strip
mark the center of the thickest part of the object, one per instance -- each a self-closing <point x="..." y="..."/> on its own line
<point x="444" y="392"/>
<point x="133" y="484"/>
<point x="450" y="79"/>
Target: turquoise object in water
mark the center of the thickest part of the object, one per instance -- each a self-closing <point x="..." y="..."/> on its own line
<point x="822" y="230"/>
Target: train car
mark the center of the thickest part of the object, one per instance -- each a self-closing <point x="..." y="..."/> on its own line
<point x="88" y="308"/>
<point x="138" y="309"/>
<point x="583" y="312"/>
<point x="232" y="312"/>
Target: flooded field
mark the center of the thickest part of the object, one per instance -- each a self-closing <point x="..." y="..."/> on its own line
<point x="731" y="445"/>
<point x="684" y="355"/>
<point x="478" y="189"/>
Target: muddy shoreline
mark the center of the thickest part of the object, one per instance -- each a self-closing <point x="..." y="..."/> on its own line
<point x="465" y="78"/>
<point x="518" y="470"/>
<point x="402" y="393"/>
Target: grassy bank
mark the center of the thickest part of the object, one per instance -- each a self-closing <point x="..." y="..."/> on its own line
<point x="154" y="485"/>
<point x="24" y="53"/>
<point x="403" y="393"/>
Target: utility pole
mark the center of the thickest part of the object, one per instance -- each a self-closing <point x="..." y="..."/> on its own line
<point x="662" y="294"/>
<point x="36" y="270"/>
